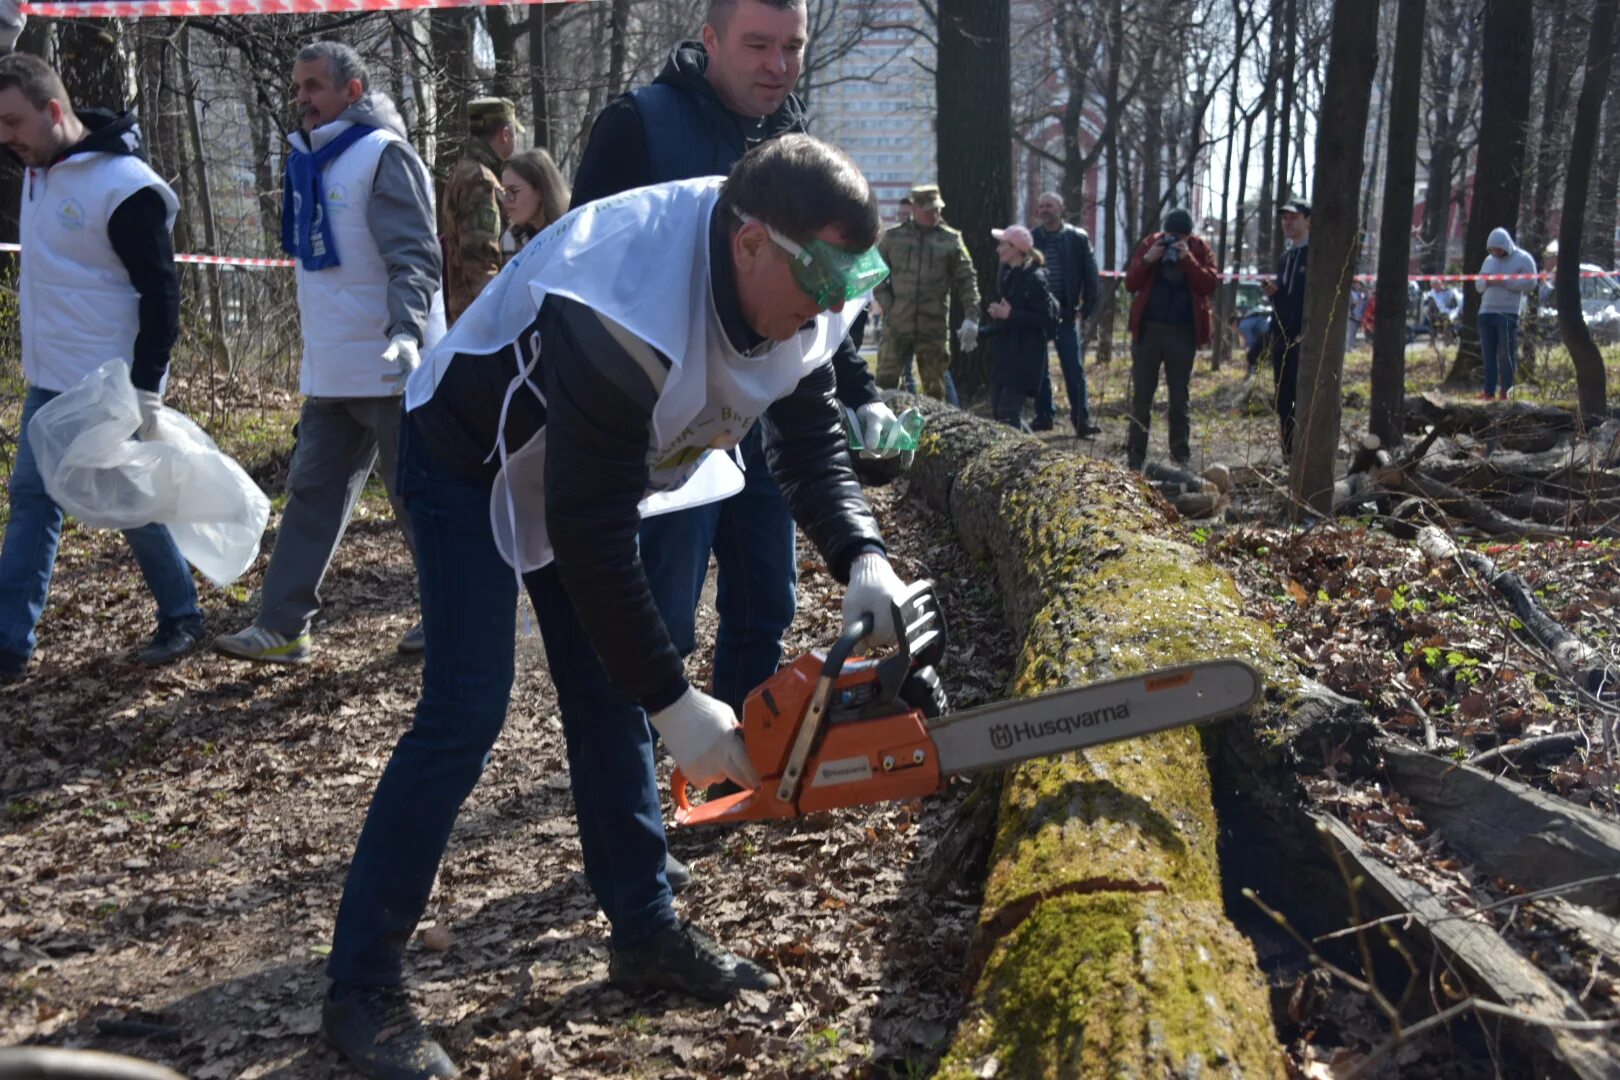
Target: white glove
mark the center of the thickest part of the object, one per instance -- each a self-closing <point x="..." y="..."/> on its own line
<point x="151" y="405"/>
<point x="876" y="421"/>
<point x="703" y="738"/>
<point x="12" y="21"/>
<point x="967" y="335"/>
<point x="874" y="588"/>
<point x="404" y="354"/>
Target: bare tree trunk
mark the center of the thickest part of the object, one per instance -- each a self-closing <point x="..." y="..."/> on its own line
<point x="1265" y="251"/>
<point x="219" y="350"/>
<point x="450" y="34"/>
<point x="504" y="31"/>
<point x="1340" y="150"/>
<point x="618" y="26"/>
<point x="91" y="58"/>
<point x="1550" y="145"/>
<point x="973" y="84"/>
<point x="1228" y="292"/>
<point x="1603" y="216"/>
<point x="1591" y="387"/>
<point x="1507" y="46"/>
<point x="1395" y="235"/>
<point x="540" y="73"/>
<point x="1285" y="111"/>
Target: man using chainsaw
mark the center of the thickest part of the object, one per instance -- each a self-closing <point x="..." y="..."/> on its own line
<point x="603" y="377"/>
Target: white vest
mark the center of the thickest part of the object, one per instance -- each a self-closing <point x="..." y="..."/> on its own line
<point x="343" y="310"/>
<point x="641" y="260"/>
<point x="79" y="308"/>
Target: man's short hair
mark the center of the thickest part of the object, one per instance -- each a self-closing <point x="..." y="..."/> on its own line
<point x="37" y="80"/>
<point x="342" y="61"/>
<point x="799" y="185"/>
<point x="1051" y="195"/>
<point x="720" y="11"/>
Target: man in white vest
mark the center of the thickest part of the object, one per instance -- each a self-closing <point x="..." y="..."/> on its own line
<point x="98" y="283"/>
<point x="357" y="217"/>
<point x="608" y="373"/>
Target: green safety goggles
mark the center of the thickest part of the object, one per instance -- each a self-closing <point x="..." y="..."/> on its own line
<point x="828" y="274"/>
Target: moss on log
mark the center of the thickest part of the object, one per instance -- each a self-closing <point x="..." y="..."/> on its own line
<point x="1102" y="948"/>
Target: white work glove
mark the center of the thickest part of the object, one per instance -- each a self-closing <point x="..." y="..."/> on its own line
<point x="705" y="741"/>
<point x="874" y="588"/>
<point x="876" y="420"/>
<point x="967" y="335"/>
<point x="151" y="406"/>
<point x="404" y="354"/>
<point x="12" y="21"/>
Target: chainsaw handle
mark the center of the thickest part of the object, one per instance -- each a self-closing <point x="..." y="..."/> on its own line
<point x="847" y="643"/>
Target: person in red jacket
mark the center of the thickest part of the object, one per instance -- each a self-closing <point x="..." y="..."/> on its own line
<point x="1171" y="276"/>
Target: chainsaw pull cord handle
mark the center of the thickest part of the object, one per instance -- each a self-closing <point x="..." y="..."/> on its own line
<point x="793" y="772"/>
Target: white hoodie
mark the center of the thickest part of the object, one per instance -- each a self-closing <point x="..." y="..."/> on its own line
<point x="1505" y="297"/>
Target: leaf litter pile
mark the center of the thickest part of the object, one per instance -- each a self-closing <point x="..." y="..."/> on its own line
<point x="173" y="844"/>
<point x="1418" y="641"/>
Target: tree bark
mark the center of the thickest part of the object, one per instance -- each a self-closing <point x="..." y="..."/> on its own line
<point x="973" y="86"/>
<point x="1110" y="286"/>
<point x="1265" y="250"/>
<point x="1606" y="210"/>
<point x="1549" y="132"/>
<point x="1336" y="234"/>
<point x="94" y="66"/>
<point x="1591" y="381"/>
<point x="540" y="74"/>
<point x="1102" y="948"/>
<point x="1395" y="234"/>
<point x="1508" y="43"/>
<point x="1285" y="113"/>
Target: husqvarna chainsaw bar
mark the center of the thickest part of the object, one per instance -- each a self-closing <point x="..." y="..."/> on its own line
<point x="826" y="732"/>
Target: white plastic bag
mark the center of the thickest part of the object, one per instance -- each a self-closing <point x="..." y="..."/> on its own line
<point x="92" y="465"/>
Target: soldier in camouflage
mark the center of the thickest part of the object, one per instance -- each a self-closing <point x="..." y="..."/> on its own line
<point x="471" y="218"/>
<point x="928" y="263"/>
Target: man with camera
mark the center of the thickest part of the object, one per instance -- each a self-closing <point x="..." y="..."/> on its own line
<point x="1287" y="294"/>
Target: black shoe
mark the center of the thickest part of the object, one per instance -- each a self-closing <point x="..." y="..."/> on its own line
<point x="13" y="668"/>
<point x="1040" y="424"/>
<point x="1087" y="431"/>
<point x="172" y="641"/>
<point x="684" y="958"/>
<point x="376" y="1029"/>
<point x="677" y="873"/>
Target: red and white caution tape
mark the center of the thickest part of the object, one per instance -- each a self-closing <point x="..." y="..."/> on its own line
<point x="206" y="260"/>
<point x="1371" y="278"/>
<point x="136" y="9"/>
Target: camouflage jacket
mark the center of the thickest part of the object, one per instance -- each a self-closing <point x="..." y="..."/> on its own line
<point x="925" y="268"/>
<point x="471" y="223"/>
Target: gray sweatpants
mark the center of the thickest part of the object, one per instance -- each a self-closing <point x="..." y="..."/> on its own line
<point x="339" y="440"/>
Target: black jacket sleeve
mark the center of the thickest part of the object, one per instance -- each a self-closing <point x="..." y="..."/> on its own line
<point x="810" y="460"/>
<point x="856" y="386"/>
<point x="1090" y="285"/>
<point x="596" y="474"/>
<point x="139" y="232"/>
<point x="615" y="157"/>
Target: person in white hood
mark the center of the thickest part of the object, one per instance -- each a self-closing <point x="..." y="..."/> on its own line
<point x="1499" y="306"/>
<point x="357" y="215"/>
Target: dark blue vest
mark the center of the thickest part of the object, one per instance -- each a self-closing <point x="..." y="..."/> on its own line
<point x="688" y="134"/>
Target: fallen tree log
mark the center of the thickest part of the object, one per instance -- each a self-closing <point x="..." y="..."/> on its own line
<point x="1485" y="965"/>
<point x="1465" y="508"/>
<point x="1102" y="947"/>
<point x="1514" y="425"/>
<point x="1509" y="829"/>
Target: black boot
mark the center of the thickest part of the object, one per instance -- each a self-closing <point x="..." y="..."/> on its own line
<point x="684" y="958"/>
<point x="376" y="1029"/>
<point x="677" y="873"/>
<point x="173" y="640"/>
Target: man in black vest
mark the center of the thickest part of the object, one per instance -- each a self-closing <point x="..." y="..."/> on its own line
<point x="714" y="100"/>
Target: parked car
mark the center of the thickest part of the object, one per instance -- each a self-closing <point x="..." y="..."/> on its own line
<point x="1600" y="303"/>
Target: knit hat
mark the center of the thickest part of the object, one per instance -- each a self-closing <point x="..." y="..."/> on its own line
<point x="1016" y="235"/>
<point x="1178" y="221"/>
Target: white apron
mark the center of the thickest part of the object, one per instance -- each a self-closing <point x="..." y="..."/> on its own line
<point x="641" y="259"/>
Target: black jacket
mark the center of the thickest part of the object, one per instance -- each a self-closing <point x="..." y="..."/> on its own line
<point x="1288" y="302"/>
<point x="138" y="231"/>
<point x="710" y="140"/>
<point x="1081" y="290"/>
<point x="1018" y="342"/>
<point x="597" y="415"/>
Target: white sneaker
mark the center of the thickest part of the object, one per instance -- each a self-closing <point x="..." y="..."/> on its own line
<point x="267" y="646"/>
<point x="413" y="642"/>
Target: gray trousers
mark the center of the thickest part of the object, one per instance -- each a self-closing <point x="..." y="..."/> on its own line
<point x="339" y="440"/>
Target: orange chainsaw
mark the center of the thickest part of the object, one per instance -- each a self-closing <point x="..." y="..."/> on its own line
<point x="828" y="731"/>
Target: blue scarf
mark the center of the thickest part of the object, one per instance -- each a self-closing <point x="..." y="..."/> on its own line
<point x="306" y="234"/>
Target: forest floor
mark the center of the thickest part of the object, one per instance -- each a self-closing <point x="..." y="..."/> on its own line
<point x="173" y="843"/>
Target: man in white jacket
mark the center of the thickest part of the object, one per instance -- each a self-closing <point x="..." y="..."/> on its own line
<point x="357" y="216"/>
<point x="98" y="283"/>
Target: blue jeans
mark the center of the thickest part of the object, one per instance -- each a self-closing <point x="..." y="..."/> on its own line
<point x="1071" y="361"/>
<point x="28" y="553"/>
<point x="752" y="537"/>
<point x="469" y="601"/>
<point x="1498" y="340"/>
